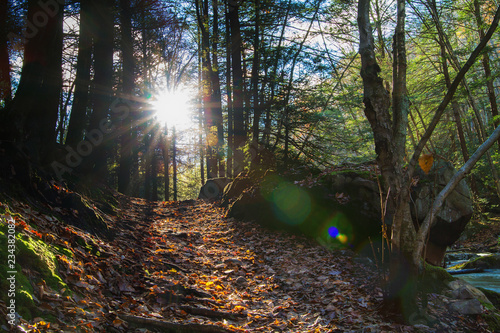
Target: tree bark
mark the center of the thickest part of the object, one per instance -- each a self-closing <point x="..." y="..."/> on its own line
<point x="174" y="163"/>
<point x="78" y="119"/>
<point x="286" y="111"/>
<point x="229" y="90"/>
<point x="5" y="81"/>
<point x="207" y="92"/>
<point x="102" y="86"/>
<point x="166" y="163"/>
<point x="236" y="53"/>
<point x="216" y="92"/>
<point x="456" y="115"/>
<point x="128" y="82"/>
<point x="31" y="117"/>
<point x="449" y="95"/>
<point x="487" y="68"/>
<point x="255" y="76"/>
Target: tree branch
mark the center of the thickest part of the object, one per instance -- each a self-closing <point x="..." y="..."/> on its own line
<point x="449" y="95"/>
<point x="441" y="197"/>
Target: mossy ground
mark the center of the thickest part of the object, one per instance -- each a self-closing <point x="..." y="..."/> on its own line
<point x="35" y="263"/>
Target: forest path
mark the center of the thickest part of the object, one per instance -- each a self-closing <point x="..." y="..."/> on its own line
<point x="185" y="263"/>
<point x="184" y="267"/>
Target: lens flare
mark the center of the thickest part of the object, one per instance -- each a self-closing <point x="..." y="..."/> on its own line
<point x="292" y="205"/>
<point x="333" y="232"/>
<point x="342" y="238"/>
<point x="338" y="229"/>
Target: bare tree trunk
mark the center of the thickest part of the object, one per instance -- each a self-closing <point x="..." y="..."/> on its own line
<point x="422" y="234"/>
<point x="216" y="92"/>
<point x="32" y="116"/>
<point x="238" y="114"/>
<point x="128" y="94"/>
<point x="174" y="162"/>
<point x="200" y="125"/>
<point x="5" y="81"/>
<point x="78" y="118"/>
<point x="456" y="114"/>
<point x="230" y="111"/>
<point x="255" y="76"/>
<point x="207" y="82"/>
<point x="154" y="165"/>
<point x="487" y="68"/>
<point x="103" y="83"/>
<point x="166" y="163"/>
<point x="274" y="78"/>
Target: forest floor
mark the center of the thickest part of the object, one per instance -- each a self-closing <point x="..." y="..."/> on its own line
<point x="184" y="267"/>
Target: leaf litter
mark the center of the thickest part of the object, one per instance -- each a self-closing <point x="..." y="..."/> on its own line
<point x="183" y="267"/>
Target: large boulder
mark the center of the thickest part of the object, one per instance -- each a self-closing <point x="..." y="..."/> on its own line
<point x="340" y="209"/>
<point x="213" y="188"/>
<point x="453" y="216"/>
<point x="235" y="188"/>
<point x="344" y="208"/>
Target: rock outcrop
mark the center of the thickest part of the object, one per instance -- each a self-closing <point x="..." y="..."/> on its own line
<point x="453" y="215"/>
<point x="213" y="188"/>
<point x="344" y="208"/>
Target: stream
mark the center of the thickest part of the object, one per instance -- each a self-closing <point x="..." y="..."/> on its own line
<point x="488" y="279"/>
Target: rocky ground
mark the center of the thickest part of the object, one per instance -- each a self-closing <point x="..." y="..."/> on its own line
<point x="183" y="267"/>
<point x="482" y="234"/>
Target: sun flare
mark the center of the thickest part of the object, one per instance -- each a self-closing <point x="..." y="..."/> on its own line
<point x="173" y="108"/>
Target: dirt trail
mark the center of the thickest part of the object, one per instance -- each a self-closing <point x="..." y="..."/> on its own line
<point x="182" y="267"/>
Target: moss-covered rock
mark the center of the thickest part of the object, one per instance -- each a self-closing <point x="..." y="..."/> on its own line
<point x="493" y="296"/>
<point x="35" y="263"/>
<point x="434" y="279"/>
<point x="484" y="262"/>
<point x="493" y="321"/>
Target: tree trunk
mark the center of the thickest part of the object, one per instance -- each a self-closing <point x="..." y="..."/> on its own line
<point x="255" y="77"/>
<point x="487" y="68"/>
<point x="128" y="83"/>
<point x="239" y="120"/>
<point x="103" y="86"/>
<point x="174" y="162"/>
<point x="5" y="82"/>
<point x="286" y="111"/>
<point x="230" y="113"/>
<point x="78" y="118"/>
<point x="154" y="166"/>
<point x="166" y="163"/>
<point x="390" y="139"/>
<point x="216" y="93"/>
<point x="207" y="93"/>
<point x="456" y="114"/>
<point x="32" y="116"/>
<point x="200" y="126"/>
<point x="421" y="237"/>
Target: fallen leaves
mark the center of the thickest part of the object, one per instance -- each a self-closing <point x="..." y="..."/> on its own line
<point x="199" y="271"/>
